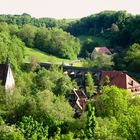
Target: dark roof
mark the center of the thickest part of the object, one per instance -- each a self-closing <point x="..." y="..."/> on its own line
<point x="80" y="94"/>
<point x="3" y="73"/>
<point x="80" y="99"/>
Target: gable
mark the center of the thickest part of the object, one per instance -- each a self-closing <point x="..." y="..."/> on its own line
<point x="120" y="80"/>
<point x="132" y="85"/>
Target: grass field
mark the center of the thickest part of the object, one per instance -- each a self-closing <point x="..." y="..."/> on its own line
<point x="101" y="41"/>
<point x="42" y="56"/>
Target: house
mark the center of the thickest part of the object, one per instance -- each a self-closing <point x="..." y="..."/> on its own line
<point x="100" y="51"/>
<point x="78" y="100"/>
<point x="121" y="80"/>
<point x="6" y="76"/>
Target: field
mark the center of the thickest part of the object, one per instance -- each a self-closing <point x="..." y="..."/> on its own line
<point x="44" y="57"/>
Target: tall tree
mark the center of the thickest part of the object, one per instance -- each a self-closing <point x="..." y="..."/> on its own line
<point x="91" y="122"/>
<point x="132" y="57"/>
<point x="89" y="85"/>
<point x="27" y="34"/>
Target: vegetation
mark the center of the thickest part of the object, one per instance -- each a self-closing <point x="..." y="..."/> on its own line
<point x="38" y="109"/>
<point x="42" y="56"/>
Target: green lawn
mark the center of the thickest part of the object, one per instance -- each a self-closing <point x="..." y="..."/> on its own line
<point x="42" y="56"/>
<point x="100" y="40"/>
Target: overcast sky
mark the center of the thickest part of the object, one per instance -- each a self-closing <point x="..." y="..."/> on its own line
<point x="66" y="8"/>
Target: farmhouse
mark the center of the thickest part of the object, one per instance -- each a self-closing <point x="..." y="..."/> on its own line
<point x="100" y="51"/>
<point x="6" y="76"/>
<point x="121" y="80"/>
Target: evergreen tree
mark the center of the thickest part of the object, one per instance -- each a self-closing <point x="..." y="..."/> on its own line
<point x="89" y="85"/>
<point x="91" y="122"/>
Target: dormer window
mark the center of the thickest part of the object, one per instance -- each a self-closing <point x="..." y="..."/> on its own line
<point x="132" y="82"/>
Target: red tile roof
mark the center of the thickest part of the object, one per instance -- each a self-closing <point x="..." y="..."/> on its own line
<point x="117" y="78"/>
<point x="102" y="50"/>
<point x="121" y="80"/>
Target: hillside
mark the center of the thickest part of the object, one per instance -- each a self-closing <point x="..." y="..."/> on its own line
<point x="42" y="56"/>
<point x="96" y="39"/>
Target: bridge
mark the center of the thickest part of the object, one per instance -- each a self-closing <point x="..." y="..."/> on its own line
<point x="72" y="70"/>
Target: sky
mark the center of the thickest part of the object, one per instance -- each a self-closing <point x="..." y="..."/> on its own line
<point x="66" y="8"/>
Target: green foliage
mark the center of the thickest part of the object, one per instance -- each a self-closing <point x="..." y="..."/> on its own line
<point x="42" y="56"/>
<point x="57" y="42"/>
<point x="27" y="34"/>
<point x="58" y="136"/>
<point x="64" y="86"/>
<point x="133" y="56"/>
<point x="10" y="133"/>
<point x="94" y="24"/>
<point x="99" y="61"/>
<point x="10" y="45"/>
<point x="91" y="122"/>
<point x="33" y="63"/>
<point x="89" y="85"/>
<point x="107" y="129"/>
<point x="30" y="127"/>
<point x="112" y="102"/>
<point x="52" y="109"/>
<point x="43" y="80"/>
<point x="41" y="94"/>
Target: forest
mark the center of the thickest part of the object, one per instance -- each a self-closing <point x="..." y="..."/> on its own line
<point x="38" y="107"/>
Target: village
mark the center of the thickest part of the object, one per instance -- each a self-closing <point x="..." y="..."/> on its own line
<point x="77" y="97"/>
<point x="75" y="78"/>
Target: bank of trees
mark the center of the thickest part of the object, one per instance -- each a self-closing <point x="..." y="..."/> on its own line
<point x="57" y="42"/>
<point x="54" y="41"/>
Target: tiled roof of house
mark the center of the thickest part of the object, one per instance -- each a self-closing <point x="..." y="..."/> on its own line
<point x="121" y="80"/>
<point x="102" y="50"/>
<point x="3" y="73"/>
<point x="116" y="78"/>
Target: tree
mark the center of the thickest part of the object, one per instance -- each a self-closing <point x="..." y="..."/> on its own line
<point x="43" y="80"/>
<point x="9" y="46"/>
<point x="112" y="102"/>
<point x="89" y="85"/>
<point x="106" y="129"/>
<point x="103" y="61"/>
<point x="52" y="109"/>
<point x="57" y="42"/>
<point x="10" y="132"/>
<point x="132" y="57"/>
<point x="27" y="34"/>
<point x="99" y="61"/>
<point x="64" y="86"/>
<point x="33" y="64"/>
<point x="30" y="127"/>
<point x="91" y="122"/>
